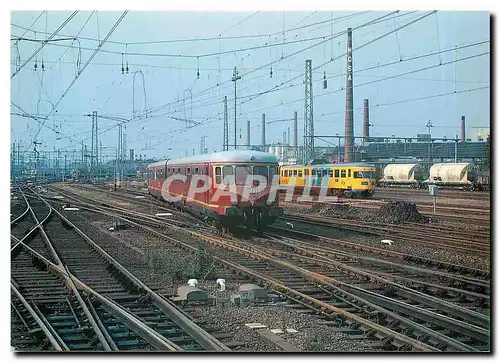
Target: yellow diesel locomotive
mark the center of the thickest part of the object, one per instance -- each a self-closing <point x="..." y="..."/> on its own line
<point x="348" y="179"/>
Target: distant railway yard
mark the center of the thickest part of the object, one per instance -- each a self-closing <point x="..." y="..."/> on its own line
<point x="95" y="268"/>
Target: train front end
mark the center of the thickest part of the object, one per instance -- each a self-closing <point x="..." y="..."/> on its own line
<point x="250" y="191"/>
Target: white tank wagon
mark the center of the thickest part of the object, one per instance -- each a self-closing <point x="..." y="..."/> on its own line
<point x="461" y="175"/>
<point x="402" y="175"/>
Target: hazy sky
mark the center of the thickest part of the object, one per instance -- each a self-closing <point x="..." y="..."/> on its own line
<point x="169" y="80"/>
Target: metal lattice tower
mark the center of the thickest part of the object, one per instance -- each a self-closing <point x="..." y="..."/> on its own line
<point x="94" y="149"/>
<point x="119" y="152"/>
<point x="225" y="142"/>
<point x="308" y="114"/>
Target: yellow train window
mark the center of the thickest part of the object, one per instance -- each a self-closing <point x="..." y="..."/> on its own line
<point x="300" y="173"/>
<point x="306" y="172"/>
<point x="348" y="173"/>
<point x="336" y="173"/>
<point x="295" y="172"/>
<point x="330" y="173"/>
<point x="342" y="173"/>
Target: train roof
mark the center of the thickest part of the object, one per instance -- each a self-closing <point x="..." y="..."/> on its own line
<point x="157" y="164"/>
<point x="324" y="165"/>
<point x="236" y="156"/>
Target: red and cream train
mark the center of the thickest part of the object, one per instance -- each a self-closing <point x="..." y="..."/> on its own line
<point x="227" y="171"/>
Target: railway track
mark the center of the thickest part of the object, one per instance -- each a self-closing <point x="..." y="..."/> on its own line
<point x="469" y="341"/>
<point x="126" y="313"/>
<point x="420" y="235"/>
<point x="455" y="194"/>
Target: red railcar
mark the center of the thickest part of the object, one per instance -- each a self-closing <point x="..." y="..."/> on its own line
<point x="221" y="179"/>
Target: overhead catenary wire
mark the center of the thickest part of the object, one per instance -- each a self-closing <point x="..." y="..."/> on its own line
<point x="29" y="28"/>
<point x="215" y="102"/>
<point x="250" y="95"/>
<point x="275" y="61"/>
<point x="206" y="38"/>
<point x="374" y="81"/>
<point x="45" y="43"/>
<point x="84" y="67"/>
<point x="343" y="54"/>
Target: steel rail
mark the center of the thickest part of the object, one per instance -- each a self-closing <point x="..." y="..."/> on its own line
<point x="278" y="286"/>
<point x="292" y="267"/>
<point x="431" y="301"/>
<point x="35" y="227"/>
<point x="467" y="329"/>
<point x="53" y="341"/>
<point x="321" y="251"/>
<point x="461" y="312"/>
<point x="197" y="333"/>
<point x="25" y="211"/>
<point x="354" y="227"/>
<point x="392" y="254"/>
<point x="134" y="324"/>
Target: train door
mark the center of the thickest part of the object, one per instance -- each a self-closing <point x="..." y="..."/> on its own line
<point x="312" y="181"/>
<point x="316" y="177"/>
<point x="336" y="176"/>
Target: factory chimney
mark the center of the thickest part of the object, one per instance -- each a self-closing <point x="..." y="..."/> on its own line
<point x="263" y="130"/>
<point x="349" y="114"/>
<point x="366" y="121"/>
<point x="248" y="133"/>
<point x="462" y="130"/>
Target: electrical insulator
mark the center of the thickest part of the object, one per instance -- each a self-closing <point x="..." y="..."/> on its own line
<point x="325" y="82"/>
<point x="122" y="69"/>
<point x="43" y="67"/>
<point x="198" y="74"/>
<point x="36" y="65"/>
<point x="271" y="73"/>
<point x="127" y="68"/>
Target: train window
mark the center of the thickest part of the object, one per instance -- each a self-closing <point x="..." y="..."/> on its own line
<point x="330" y="173"/>
<point x="241" y="173"/>
<point x="337" y="173"/>
<point x="218" y="175"/>
<point x="342" y="173"/>
<point x="318" y="172"/>
<point x="306" y="172"/>
<point x="356" y="174"/>
<point x="188" y="171"/>
<point x="286" y="173"/>
<point x="295" y="172"/>
<point x="313" y="172"/>
<point x="300" y="173"/>
<point x="227" y="171"/>
<point x="272" y="172"/>
<point x="196" y="170"/>
<point x="262" y="171"/>
<point x="349" y="173"/>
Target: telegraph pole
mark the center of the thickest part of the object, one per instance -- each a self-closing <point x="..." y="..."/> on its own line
<point x="235" y="77"/>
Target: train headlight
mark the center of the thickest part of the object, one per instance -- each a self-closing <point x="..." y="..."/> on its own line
<point x="270" y="202"/>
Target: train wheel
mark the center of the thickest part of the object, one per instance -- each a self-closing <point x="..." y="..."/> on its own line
<point x="348" y="193"/>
